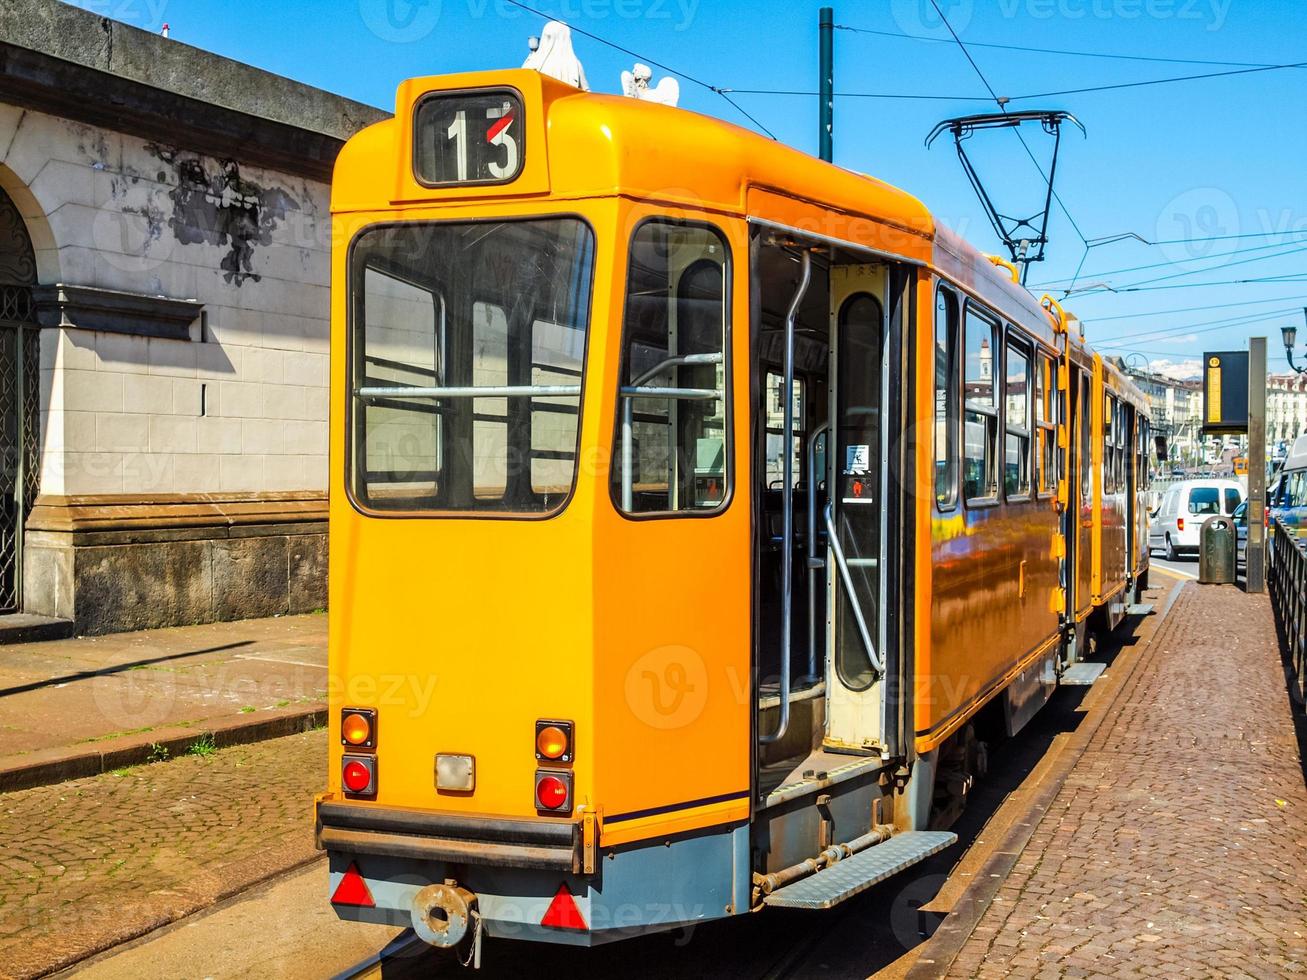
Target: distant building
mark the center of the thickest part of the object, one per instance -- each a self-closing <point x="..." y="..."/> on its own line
<point x="164" y="308"/>
<point x="1176" y="410"/>
<point x="1286" y="412"/>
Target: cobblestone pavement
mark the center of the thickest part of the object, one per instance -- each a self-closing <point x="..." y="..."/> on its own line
<point x="1178" y="844"/>
<point x="93" y="862"/>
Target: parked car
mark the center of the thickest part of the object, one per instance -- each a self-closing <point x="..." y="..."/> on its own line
<point x="1240" y="518"/>
<point x="1175" y="524"/>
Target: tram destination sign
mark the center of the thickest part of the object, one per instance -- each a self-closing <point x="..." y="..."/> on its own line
<point x="473" y="137"/>
<point x="1225" y="392"/>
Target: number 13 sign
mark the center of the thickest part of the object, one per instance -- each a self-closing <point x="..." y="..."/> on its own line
<point x="469" y="138"/>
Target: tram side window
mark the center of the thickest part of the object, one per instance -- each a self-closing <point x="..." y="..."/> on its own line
<point x="466" y="351"/>
<point x="980" y="419"/>
<point x="401" y="451"/>
<point x="1109" y="445"/>
<point x="1123" y="442"/>
<point x="1016" y="422"/>
<point x="1142" y="476"/>
<point x="1086" y="442"/>
<point x="1046" y="422"/>
<point x="672" y="444"/>
<point x="946" y="398"/>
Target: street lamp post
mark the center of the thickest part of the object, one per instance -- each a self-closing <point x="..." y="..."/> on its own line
<point x="1290" y="336"/>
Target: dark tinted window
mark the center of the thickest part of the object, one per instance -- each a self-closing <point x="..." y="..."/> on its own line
<point x="1204" y="500"/>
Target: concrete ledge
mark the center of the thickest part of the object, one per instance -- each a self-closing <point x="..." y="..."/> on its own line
<point x="76" y="762"/>
<point x="26" y="628"/>
<point x="115" y="311"/>
<point x="121" y="512"/>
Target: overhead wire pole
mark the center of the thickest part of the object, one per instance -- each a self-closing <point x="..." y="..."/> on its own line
<point x="826" y="96"/>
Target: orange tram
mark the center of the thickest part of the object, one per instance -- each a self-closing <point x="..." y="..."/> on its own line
<point x="698" y="512"/>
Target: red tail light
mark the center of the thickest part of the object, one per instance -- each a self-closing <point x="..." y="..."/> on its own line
<point x="553" y="790"/>
<point x="1179" y="523"/>
<point x="358" y="774"/>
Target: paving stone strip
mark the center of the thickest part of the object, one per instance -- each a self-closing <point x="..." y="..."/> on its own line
<point x="90" y="863"/>
<point x="1177" y="845"/>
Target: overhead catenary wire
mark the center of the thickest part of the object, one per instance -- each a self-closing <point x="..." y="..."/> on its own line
<point x="1155" y="81"/>
<point x="1257" y="280"/>
<point x="1053" y="51"/>
<point x="1053" y="283"/>
<point x="1195" y="309"/>
<point x="1207" y="326"/>
<point x="650" y="61"/>
<point x="1217" y="268"/>
<point x="1023" y="97"/>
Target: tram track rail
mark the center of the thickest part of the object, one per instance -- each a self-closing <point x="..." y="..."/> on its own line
<point x="390" y="961"/>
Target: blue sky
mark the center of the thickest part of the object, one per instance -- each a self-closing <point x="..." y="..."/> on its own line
<point x="1194" y="160"/>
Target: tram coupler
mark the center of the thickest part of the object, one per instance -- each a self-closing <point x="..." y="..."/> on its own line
<point x="442" y="914"/>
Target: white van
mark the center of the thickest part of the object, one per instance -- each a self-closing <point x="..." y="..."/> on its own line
<point x="1174" y="526"/>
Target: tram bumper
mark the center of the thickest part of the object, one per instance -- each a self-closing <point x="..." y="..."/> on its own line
<point x="517" y="878"/>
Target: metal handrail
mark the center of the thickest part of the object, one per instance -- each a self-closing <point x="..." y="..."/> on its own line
<point x="676" y="361"/>
<point x="877" y="661"/>
<point x="787" y="500"/>
<point x="473" y="391"/>
<point x="638" y="389"/>
<point x="683" y="394"/>
<point x="815" y="561"/>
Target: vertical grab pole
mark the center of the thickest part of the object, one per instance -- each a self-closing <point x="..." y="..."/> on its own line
<point x="814" y="563"/>
<point x="787" y="500"/>
<point x="627" y="453"/>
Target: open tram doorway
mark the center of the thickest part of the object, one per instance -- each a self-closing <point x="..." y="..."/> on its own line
<point x="839" y="492"/>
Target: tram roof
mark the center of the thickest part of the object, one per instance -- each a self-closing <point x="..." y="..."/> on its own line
<point x="607" y="144"/>
<point x="581" y="145"/>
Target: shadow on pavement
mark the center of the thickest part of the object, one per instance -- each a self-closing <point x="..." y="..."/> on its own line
<point x="83" y="675"/>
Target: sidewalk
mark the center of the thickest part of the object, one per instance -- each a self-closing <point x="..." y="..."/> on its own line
<point x="1177" y="844"/>
<point x="74" y="708"/>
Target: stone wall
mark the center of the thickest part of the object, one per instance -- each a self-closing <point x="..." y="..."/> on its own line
<point x="116" y="563"/>
<point x="183" y="255"/>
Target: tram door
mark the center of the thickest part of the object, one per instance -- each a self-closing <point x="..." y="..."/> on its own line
<point x="858" y="475"/>
<point x="1080" y="514"/>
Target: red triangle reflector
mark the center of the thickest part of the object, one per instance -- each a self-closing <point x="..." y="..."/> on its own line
<point x="353" y="890"/>
<point x="563" y="913"/>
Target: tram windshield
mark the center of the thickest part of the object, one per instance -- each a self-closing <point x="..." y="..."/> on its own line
<point x="467" y="355"/>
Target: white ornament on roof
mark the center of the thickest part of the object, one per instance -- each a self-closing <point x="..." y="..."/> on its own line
<point x="555" y="57"/>
<point x="635" y="85"/>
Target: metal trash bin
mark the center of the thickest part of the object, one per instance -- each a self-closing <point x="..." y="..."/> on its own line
<point x="1217" y="546"/>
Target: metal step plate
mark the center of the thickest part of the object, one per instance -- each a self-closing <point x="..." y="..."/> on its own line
<point x="855" y="874"/>
<point x="1139" y="609"/>
<point x="1082" y="674"/>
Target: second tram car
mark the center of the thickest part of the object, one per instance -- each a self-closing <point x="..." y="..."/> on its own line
<point x="698" y="511"/>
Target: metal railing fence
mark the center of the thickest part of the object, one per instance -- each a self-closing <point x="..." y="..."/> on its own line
<point x="1287" y="581"/>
